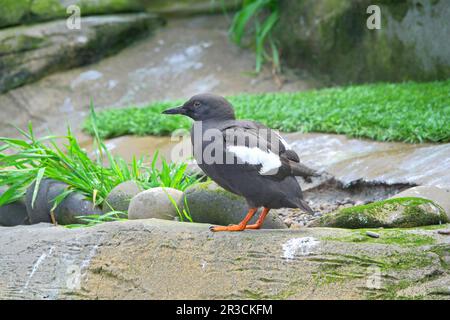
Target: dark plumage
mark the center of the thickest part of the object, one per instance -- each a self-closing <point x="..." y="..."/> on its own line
<point x="260" y="167"/>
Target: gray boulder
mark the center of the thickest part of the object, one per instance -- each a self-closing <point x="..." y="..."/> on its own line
<point x="391" y="213"/>
<point x="40" y="210"/>
<point x="439" y="196"/>
<point x="155" y="203"/>
<point x="209" y="203"/>
<point x="13" y="214"/>
<point x="31" y="52"/>
<point x="119" y="198"/>
<point x="75" y="204"/>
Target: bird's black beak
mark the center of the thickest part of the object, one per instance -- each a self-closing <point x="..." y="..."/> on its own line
<point x="178" y="110"/>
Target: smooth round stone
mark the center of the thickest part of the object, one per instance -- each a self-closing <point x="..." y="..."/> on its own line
<point x="74" y="205"/>
<point x="13" y="214"/>
<point x="155" y="203"/>
<point x="120" y="197"/>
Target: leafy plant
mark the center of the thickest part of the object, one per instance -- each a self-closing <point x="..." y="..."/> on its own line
<point x="264" y="14"/>
<point x="171" y="175"/>
<point x="28" y="160"/>
<point x="31" y="159"/>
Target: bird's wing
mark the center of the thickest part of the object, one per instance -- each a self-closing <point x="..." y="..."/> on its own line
<point x="260" y="148"/>
<point x="263" y="149"/>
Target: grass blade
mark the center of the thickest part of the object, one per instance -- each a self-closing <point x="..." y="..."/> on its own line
<point x="39" y="177"/>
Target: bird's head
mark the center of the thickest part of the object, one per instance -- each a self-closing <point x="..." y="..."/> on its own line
<point x="205" y="106"/>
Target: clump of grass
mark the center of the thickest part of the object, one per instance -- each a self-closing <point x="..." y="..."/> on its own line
<point x="28" y="160"/>
<point x="409" y="112"/>
<point x="264" y="15"/>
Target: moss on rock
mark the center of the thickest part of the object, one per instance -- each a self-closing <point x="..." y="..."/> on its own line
<point x="14" y="12"/>
<point x="395" y="236"/>
<point x="391" y="213"/>
<point x="332" y="37"/>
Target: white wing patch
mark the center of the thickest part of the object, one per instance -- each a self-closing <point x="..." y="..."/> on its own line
<point x="268" y="160"/>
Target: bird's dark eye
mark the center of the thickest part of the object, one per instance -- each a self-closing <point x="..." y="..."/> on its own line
<point x="196" y="104"/>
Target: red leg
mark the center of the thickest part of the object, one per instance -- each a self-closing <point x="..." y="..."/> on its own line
<point x="260" y="220"/>
<point x="237" y="227"/>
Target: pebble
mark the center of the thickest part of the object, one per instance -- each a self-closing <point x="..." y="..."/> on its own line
<point x="372" y="234"/>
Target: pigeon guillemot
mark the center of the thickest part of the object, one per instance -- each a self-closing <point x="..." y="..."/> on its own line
<point x="244" y="157"/>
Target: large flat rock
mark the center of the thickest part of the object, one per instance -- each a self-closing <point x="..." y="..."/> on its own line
<point x="156" y="259"/>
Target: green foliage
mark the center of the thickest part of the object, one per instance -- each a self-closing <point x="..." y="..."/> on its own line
<point x="264" y="14"/>
<point x="28" y="160"/>
<point x="409" y="112"/>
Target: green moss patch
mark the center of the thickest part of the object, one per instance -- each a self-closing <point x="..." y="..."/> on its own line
<point x="392" y="213"/>
<point x="399" y="237"/>
<point x="410" y="112"/>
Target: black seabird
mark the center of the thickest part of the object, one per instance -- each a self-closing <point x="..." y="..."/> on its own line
<point x="262" y="167"/>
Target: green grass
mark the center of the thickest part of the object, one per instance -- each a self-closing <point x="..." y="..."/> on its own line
<point x="409" y="112"/>
<point x="31" y="159"/>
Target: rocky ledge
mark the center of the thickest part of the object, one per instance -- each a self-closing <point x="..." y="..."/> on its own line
<point x="157" y="259"/>
<point x="31" y="52"/>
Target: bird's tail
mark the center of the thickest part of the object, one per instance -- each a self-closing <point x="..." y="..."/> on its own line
<point x="302" y="204"/>
<point x="300" y="170"/>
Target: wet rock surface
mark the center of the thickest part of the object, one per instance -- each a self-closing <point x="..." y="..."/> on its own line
<point x="209" y="203"/>
<point x="142" y="259"/>
<point x="156" y="203"/>
<point x="350" y="159"/>
<point x="393" y="213"/>
<point x="30" y="52"/>
<point x="119" y="198"/>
